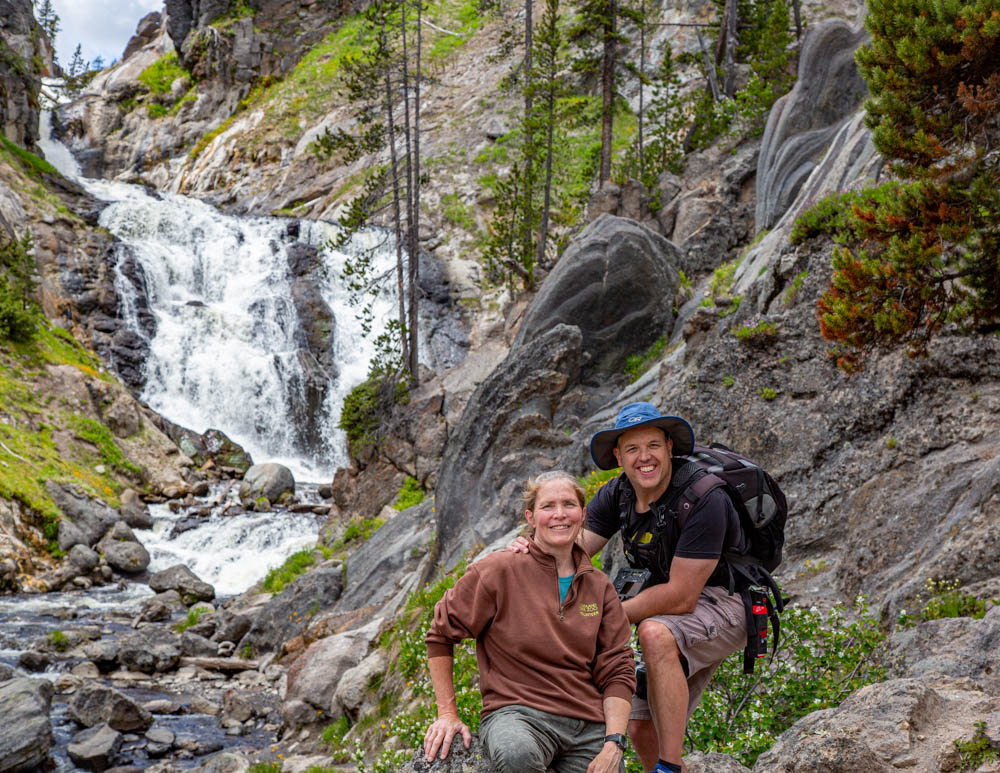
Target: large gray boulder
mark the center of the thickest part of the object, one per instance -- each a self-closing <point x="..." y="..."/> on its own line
<point x="506" y="433"/>
<point x="122" y="550"/>
<point x="313" y="677"/>
<point x="270" y="480"/>
<point x="95" y="703"/>
<point x="134" y="511"/>
<point x="181" y="579"/>
<point x="91" y="516"/>
<point x="283" y="616"/>
<point x="150" y="650"/>
<point x="881" y="728"/>
<point x="616" y="283"/>
<point x="459" y="760"/>
<point x="95" y="748"/>
<point x="26" y="731"/>
<point x="376" y="568"/>
<point x="802" y="123"/>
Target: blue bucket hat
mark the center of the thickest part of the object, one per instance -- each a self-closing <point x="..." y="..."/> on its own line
<point x="636" y="415"/>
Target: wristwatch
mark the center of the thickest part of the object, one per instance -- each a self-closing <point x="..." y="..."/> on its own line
<point x="618" y="738"/>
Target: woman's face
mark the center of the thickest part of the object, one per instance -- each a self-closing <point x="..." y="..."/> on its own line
<point x="557" y="517"/>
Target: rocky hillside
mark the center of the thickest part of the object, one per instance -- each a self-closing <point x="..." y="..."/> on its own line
<point x="893" y="474"/>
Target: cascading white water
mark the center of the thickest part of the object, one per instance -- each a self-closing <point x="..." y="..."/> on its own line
<point x="224" y="354"/>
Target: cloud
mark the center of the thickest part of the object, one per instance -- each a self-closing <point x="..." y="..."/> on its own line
<point x="100" y="27"/>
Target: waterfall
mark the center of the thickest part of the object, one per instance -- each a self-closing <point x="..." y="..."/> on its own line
<point x="227" y="350"/>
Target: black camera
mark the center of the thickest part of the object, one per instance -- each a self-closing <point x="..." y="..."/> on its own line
<point x="628" y="582"/>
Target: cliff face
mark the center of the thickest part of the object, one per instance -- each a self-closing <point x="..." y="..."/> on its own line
<point x="21" y="50"/>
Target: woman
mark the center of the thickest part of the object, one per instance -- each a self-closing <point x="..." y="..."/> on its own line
<point x="552" y="641"/>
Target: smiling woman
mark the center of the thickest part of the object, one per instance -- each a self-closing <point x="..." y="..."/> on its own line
<point x="552" y="641"/>
<point x="101" y="28"/>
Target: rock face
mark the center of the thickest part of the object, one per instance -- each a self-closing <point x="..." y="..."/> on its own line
<point x="315" y="674"/>
<point x="26" y="731"/>
<point x="285" y="615"/>
<point x="904" y="723"/>
<point x="506" y="433"/>
<point x="268" y="480"/>
<point x="459" y="760"/>
<point x="616" y="283"/>
<point x="91" y="517"/>
<point x="20" y="82"/>
<point x="803" y="122"/>
<point x="375" y="569"/>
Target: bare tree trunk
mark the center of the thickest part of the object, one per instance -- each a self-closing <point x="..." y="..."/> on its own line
<point x="608" y="93"/>
<point x="411" y="234"/>
<point x="797" y="8"/>
<point x="396" y="214"/>
<point x="415" y="254"/>
<point x="529" y="139"/>
<point x="642" y="90"/>
<point x="732" y="41"/>
<point x="710" y="67"/>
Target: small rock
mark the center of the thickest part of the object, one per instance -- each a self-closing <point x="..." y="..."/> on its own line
<point x="95" y="748"/>
<point x="162" y="706"/>
<point x="160" y="741"/>
<point x="30" y="660"/>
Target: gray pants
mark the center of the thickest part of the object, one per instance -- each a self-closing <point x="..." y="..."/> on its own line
<point x="520" y="739"/>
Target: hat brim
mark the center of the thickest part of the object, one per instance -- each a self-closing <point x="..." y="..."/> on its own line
<point x="602" y="445"/>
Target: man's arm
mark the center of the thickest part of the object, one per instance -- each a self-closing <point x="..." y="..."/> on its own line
<point x="676" y="597"/>
<point x="588" y="540"/>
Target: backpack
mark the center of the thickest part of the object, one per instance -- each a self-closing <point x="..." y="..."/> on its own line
<point x="762" y="510"/>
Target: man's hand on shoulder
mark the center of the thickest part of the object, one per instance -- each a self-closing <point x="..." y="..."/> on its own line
<point x="519" y="545"/>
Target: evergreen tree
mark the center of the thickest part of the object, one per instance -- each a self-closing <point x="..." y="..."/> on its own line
<point x="926" y="250"/>
<point x="17" y="286"/>
<point x="96" y="64"/>
<point x="48" y="19"/>
<point x="77" y="65"/>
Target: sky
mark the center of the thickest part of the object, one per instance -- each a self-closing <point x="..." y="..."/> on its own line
<point x="101" y="27"/>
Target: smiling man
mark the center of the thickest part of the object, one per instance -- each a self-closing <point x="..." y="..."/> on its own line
<point x="688" y="622"/>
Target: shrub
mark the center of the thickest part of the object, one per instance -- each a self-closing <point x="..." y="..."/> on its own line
<point x="190" y="619"/>
<point x="59" y="640"/>
<point x="944" y="599"/>
<point x="820" y="661"/>
<point x="976" y="752"/>
<point x="592" y="482"/>
<point x="162" y="73"/>
<point x="925" y="256"/>
<point x="368" y="405"/>
<point x="768" y="393"/>
<point x="294" y="566"/>
<point x="410" y="495"/>
<point x="792" y="291"/>
<point x="18" y="315"/>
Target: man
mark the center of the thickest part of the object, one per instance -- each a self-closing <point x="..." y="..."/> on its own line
<point x="687" y="621"/>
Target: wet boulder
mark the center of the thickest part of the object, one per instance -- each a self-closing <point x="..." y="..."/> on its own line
<point x="95" y="748"/>
<point x="122" y="550"/>
<point x="150" y="650"/>
<point x="159" y="741"/>
<point x="271" y="481"/>
<point x="26" y="731"/>
<point x="615" y="282"/>
<point x="134" y="511"/>
<point x="181" y="579"/>
<point x="95" y="703"/>
<point x="82" y="558"/>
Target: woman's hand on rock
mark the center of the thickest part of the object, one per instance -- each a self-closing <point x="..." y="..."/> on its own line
<point x="440" y="734"/>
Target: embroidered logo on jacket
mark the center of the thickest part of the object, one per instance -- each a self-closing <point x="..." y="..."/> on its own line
<point x="589" y="610"/>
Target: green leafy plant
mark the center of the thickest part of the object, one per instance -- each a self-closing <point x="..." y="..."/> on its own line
<point x="592" y="482"/>
<point x="294" y="566"/>
<point x="792" y="291"/>
<point x="728" y="381"/>
<point x="891" y="443"/>
<point x="637" y="364"/>
<point x="410" y="495"/>
<point x="977" y="751"/>
<point x="368" y="405"/>
<point x="820" y="661"/>
<point x="944" y="599"/>
<point x="767" y="393"/>
<point x="358" y="529"/>
<point x="190" y="619"/>
<point x="247" y="652"/>
<point x="265" y="767"/>
<point x="58" y="640"/>
<point x="159" y="76"/>
<point x="762" y="331"/>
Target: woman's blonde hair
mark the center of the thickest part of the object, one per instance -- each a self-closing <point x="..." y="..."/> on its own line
<point x="530" y="492"/>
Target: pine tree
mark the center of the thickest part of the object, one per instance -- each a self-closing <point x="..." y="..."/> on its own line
<point x="927" y="246"/>
<point x="77" y="65"/>
<point x="48" y="19"/>
<point x="96" y="64"/>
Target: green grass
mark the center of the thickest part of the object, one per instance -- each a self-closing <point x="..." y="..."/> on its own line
<point x="944" y="598"/>
<point x="410" y="495"/>
<point x="762" y="331"/>
<point x="637" y="364"/>
<point x="592" y="482"/>
<point x="295" y="566"/>
<point x="358" y="530"/>
<point x="34" y="166"/>
<point x="458" y="212"/>
<point x="99" y="435"/>
<point x="159" y="76"/>
<point x="190" y="619"/>
<point x="58" y="640"/>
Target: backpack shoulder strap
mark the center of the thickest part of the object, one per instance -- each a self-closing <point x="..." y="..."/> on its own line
<point x="695" y="488"/>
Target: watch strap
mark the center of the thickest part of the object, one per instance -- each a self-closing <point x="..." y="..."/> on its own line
<point x="617" y="738"/>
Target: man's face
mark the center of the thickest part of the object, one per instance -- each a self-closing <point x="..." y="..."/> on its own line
<point x="644" y="455"/>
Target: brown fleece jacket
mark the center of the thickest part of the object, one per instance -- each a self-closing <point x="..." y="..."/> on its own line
<point x="533" y="651"/>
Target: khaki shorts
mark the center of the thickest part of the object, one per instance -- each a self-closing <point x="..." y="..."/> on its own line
<point x="715" y="630"/>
